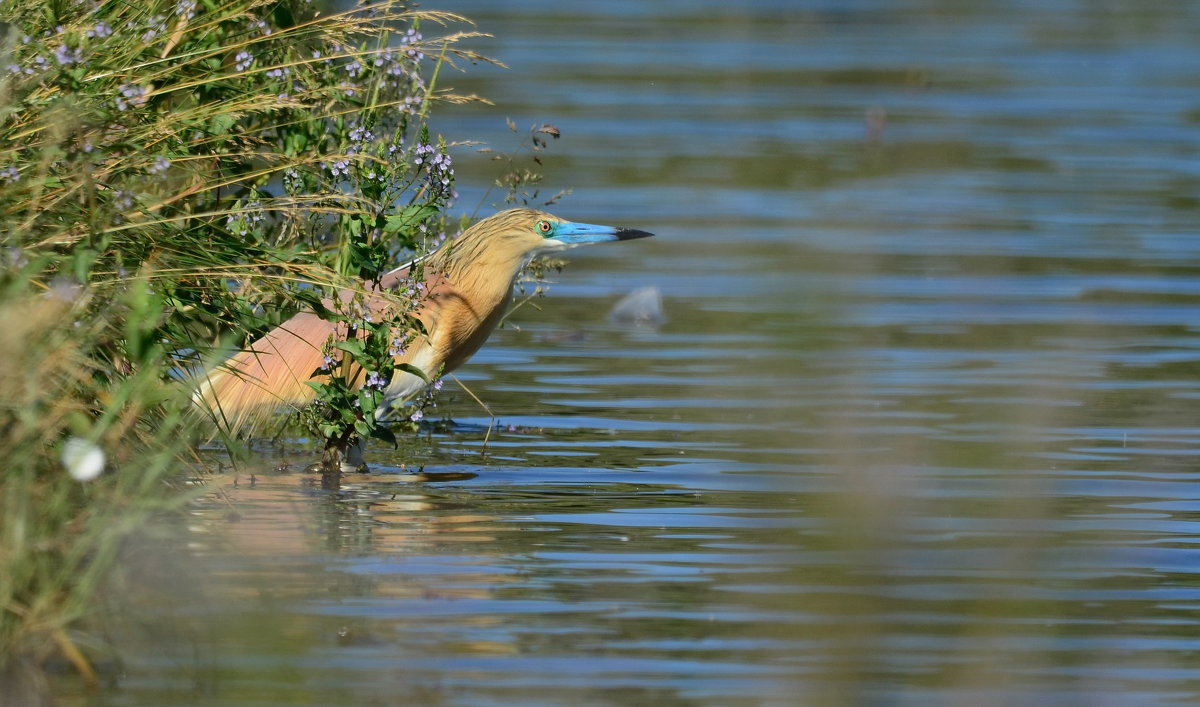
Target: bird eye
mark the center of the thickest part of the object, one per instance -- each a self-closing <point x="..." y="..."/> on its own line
<point x="544" y="227"/>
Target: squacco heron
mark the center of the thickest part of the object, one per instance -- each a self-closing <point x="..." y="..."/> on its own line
<point x="467" y="289"/>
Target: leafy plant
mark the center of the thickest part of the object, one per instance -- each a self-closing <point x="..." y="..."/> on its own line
<point x="176" y="177"/>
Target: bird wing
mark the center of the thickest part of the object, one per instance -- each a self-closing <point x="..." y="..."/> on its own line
<point x="252" y="385"/>
<point x="268" y="375"/>
<point x="271" y="373"/>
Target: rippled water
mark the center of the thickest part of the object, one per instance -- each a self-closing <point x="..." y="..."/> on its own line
<point x="920" y="425"/>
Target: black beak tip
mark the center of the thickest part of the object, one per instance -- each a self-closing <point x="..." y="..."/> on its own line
<point x="628" y="234"/>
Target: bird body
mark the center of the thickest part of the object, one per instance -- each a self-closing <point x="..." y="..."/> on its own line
<point x="467" y="288"/>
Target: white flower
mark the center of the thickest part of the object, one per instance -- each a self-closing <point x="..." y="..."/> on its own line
<point x="84" y="460"/>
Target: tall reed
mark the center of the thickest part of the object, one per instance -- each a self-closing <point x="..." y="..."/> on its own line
<point x="176" y="177"/>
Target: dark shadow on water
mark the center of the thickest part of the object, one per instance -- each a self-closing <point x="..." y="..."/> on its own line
<point x="382" y="475"/>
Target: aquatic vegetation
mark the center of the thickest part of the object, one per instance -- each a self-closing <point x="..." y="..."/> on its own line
<point x="175" y="178"/>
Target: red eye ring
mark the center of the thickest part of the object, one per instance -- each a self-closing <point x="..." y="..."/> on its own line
<point x="544" y="227"/>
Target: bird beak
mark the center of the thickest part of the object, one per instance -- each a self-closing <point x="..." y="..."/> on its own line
<point x="570" y="233"/>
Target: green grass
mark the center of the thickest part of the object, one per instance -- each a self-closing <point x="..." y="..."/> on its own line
<point x="175" y="178"/>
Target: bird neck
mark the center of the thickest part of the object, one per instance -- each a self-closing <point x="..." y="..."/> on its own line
<point x="487" y="272"/>
<point x="470" y="290"/>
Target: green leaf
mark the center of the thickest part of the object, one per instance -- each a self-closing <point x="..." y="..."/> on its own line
<point x="410" y="217"/>
<point x="409" y="368"/>
<point x="283" y="17"/>
<point x="296" y="143"/>
<point x="220" y="124"/>
<point x="313" y="299"/>
<point x="385" y="434"/>
<point x="354" y="347"/>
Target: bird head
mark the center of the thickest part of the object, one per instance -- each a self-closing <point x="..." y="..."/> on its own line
<point x="520" y="234"/>
<point x="556" y="234"/>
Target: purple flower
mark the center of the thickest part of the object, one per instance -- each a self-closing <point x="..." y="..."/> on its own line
<point x="10" y="173"/>
<point x="131" y="95"/>
<point x="327" y="363"/>
<point x="244" y="60"/>
<point x="437" y="384"/>
<point x="422" y="150"/>
<point x="440" y="172"/>
<point x="417" y="415"/>
<point x="66" y="56"/>
<point x="158" y="25"/>
<point x="374" y="380"/>
<point x="123" y="200"/>
<point x="245" y="219"/>
<point x="410" y="37"/>
<point x="100" y="30"/>
<point x="161" y="164"/>
<point x="341" y="167"/>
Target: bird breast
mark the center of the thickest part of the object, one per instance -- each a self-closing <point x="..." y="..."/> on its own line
<point x="464" y="320"/>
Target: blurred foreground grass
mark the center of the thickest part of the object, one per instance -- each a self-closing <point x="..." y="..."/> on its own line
<point x="175" y="176"/>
